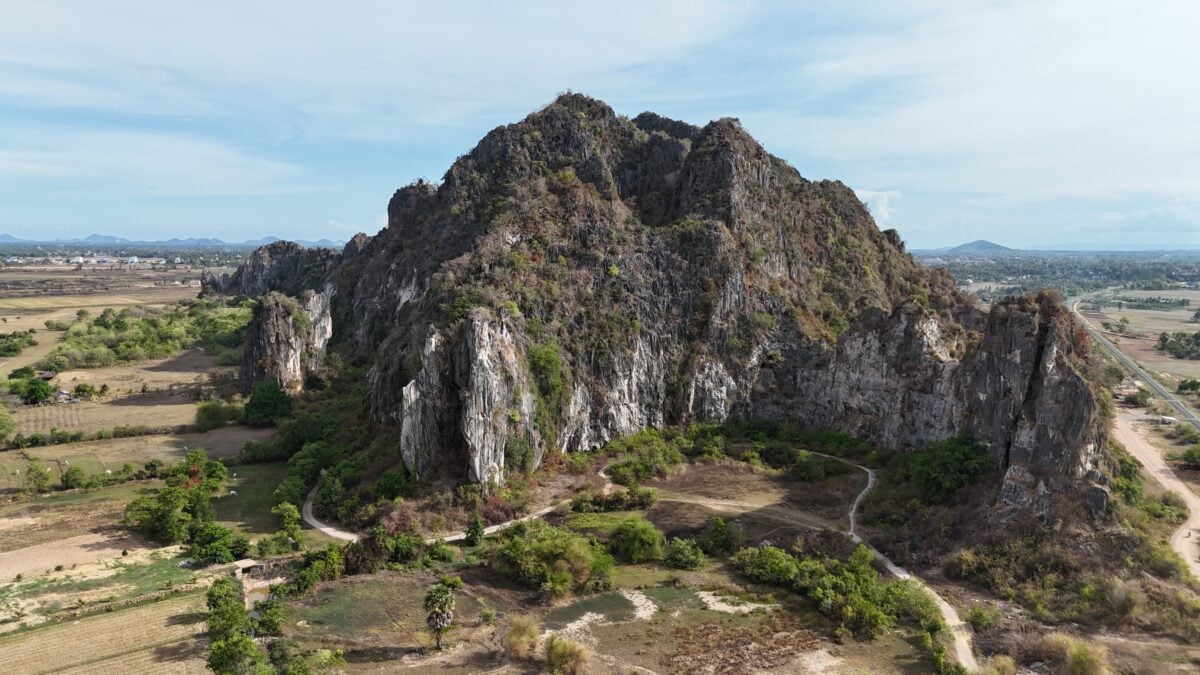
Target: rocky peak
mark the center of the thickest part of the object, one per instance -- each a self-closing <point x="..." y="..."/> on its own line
<point x="579" y="275"/>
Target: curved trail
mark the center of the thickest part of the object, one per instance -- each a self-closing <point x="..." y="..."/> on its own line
<point x="307" y="513"/>
<point x="1184" y="539"/>
<point x="958" y="629"/>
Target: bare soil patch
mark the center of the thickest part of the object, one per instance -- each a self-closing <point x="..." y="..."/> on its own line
<point x="81" y="549"/>
<point x="188" y="369"/>
<point x="155" y="410"/>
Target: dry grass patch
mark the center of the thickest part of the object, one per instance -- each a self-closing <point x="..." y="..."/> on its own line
<point x="162" y="637"/>
<point x="155" y="410"/>
<point x="520" y="641"/>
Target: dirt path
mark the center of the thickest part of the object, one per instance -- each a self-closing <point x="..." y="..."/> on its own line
<point x="958" y="628"/>
<point x="307" y="513"/>
<point x="778" y="512"/>
<point x="1184" y="540"/>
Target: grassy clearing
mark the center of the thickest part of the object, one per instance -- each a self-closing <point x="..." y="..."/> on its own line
<point x="126" y="580"/>
<point x="141" y="296"/>
<point x="250" y="511"/>
<point x="157" y="638"/>
<point x="96" y="457"/>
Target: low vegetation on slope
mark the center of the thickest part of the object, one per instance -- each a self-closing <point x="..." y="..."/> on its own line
<point x="138" y="333"/>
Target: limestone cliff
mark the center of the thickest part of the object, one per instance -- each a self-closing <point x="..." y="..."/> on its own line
<point x="581" y="275"/>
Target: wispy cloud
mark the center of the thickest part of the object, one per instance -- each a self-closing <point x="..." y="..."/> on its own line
<point x="62" y="160"/>
<point x="879" y="203"/>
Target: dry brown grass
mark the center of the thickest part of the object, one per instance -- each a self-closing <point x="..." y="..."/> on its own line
<point x="566" y="656"/>
<point x="521" y="640"/>
<point x="156" y="410"/>
<point x="164" y="637"/>
<point x="189" y="368"/>
<point x="1068" y="654"/>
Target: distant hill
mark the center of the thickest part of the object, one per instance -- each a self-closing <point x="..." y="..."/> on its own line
<point x="198" y="242"/>
<point x="979" y="246"/>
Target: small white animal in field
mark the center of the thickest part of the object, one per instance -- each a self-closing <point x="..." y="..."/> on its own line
<point x="108" y="472"/>
<point x="233" y="493"/>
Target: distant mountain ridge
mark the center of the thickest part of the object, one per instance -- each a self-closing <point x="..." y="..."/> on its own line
<point x="108" y="239"/>
<point x="979" y="246"/>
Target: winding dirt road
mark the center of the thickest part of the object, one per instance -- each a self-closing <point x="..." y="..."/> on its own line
<point x="1184" y="540"/>
<point x="779" y="512"/>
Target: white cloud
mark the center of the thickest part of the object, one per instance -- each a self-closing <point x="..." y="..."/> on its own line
<point x="879" y="203"/>
<point x="149" y="163"/>
<point x="364" y="70"/>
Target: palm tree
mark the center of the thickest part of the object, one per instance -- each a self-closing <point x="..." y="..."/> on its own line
<point x="439" y="602"/>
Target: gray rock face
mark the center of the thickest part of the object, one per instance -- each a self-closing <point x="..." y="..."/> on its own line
<point x="287" y="338"/>
<point x="676" y="274"/>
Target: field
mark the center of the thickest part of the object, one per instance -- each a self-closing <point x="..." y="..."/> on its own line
<point x="188" y="369"/>
<point x="158" y="408"/>
<point x="155" y="409"/>
<point x="1148" y="324"/>
<point x="161" y="637"/>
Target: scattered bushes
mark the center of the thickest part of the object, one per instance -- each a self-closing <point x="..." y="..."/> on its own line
<point x="635" y="498"/>
<point x="651" y="456"/>
<point x="139" y="333"/>
<point x="552" y="559"/>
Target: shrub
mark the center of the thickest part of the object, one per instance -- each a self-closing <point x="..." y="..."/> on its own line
<point x="982" y="617"/>
<point x="684" y="554"/>
<point x="1000" y="664"/>
<point x="214" y="414"/>
<point x="637" y="540"/>
<point x="521" y="640"/>
<point x="565" y="656"/>
<point x="767" y="565"/>
<point x="944" y="467"/>
<point x="268" y="403"/>
<point x="720" y="538"/>
<point x="475" y="532"/>
<point x="542" y="556"/>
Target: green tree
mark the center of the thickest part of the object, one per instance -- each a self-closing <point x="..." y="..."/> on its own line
<point x="720" y="537"/>
<point x="163" y="516"/>
<point x="684" y="554"/>
<point x="234" y="655"/>
<point x="944" y="467"/>
<point x="7" y="425"/>
<point x="637" y="540"/>
<point x="72" y="478"/>
<point x="268" y="403"/>
<point x="474" y="532"/>
<point x="227" y="614"/>
<point x="37" y="477"/>
<point x="439" y="602"/>
<point x="36" y="391"/>
<point x="289" y="519"/>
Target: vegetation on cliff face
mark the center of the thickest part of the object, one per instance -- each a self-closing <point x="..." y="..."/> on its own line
<point x="580" y="276"/>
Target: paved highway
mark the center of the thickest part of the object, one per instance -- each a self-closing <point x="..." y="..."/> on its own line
<point x="1184" y="413"/>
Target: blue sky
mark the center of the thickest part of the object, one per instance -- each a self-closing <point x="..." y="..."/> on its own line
<point x="1027" y="123"/>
